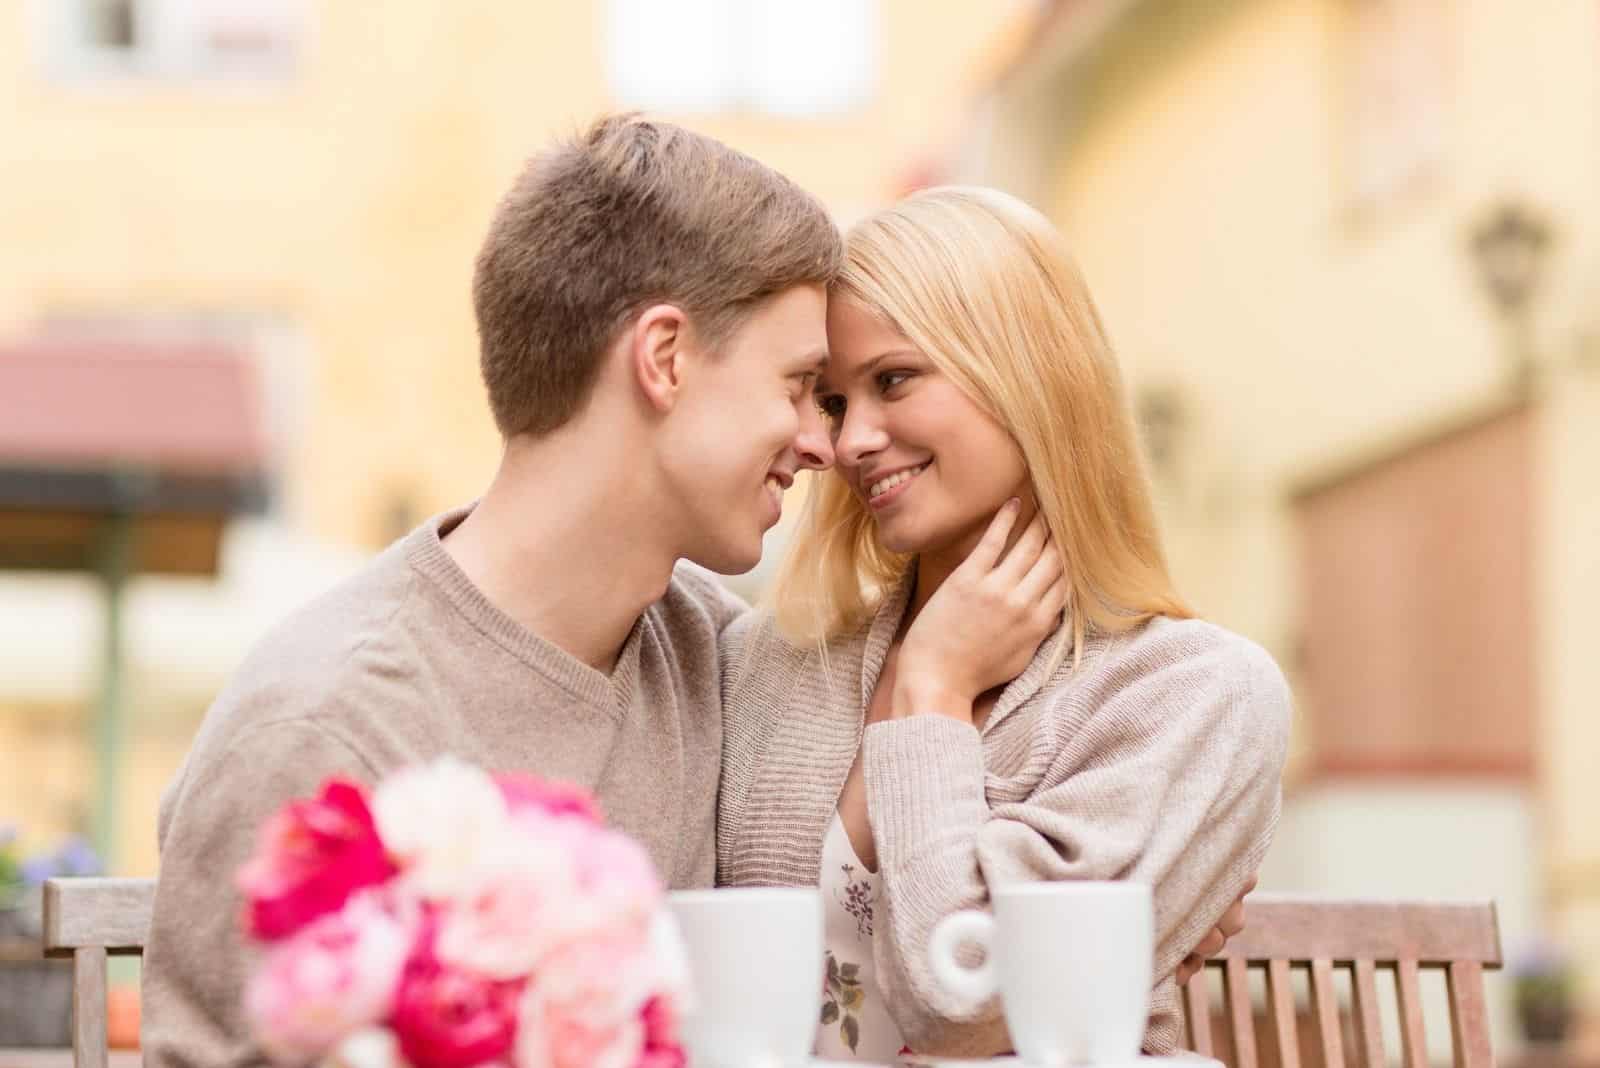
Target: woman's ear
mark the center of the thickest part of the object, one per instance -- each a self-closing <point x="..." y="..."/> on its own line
<point x="656" y="353"/>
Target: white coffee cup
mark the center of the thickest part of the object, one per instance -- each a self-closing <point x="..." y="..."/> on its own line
<point x="755" y="959"/>
<point x="1071" y="961"/>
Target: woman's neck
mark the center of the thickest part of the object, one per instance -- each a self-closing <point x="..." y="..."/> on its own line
<point x="932" y="569"/>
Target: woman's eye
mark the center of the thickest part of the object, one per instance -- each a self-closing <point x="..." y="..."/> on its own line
<point x="889" y="379"/>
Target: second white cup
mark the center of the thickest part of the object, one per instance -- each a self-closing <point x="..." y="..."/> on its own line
<point x="1071" y="962"/>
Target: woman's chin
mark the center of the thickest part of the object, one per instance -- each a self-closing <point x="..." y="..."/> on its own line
<point x="896" y="541"/>
<point x="902" y="538"/>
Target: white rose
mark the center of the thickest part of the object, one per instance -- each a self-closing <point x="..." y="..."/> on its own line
<point x="436" y="820"/>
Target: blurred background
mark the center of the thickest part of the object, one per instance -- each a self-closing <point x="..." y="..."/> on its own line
<point x="1348" y="250"/>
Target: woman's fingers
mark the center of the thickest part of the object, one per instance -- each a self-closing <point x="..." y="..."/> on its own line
<point x="1211" y="944"/>
<point x="1024" y="554"/>
<point x="1035" y="585"/>
<point x="987" y="552"/>
<point x="1054" y="600"/>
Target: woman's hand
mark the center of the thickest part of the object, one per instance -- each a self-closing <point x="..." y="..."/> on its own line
<point x="984" y="624"/>
<point x="1232" y="923"/>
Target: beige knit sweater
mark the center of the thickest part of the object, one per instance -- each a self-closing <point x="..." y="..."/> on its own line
<point x="404" y="662"/>
<point x="1157" y="759"/>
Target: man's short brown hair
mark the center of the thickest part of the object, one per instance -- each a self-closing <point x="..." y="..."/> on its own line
<point x="630" y="213"/>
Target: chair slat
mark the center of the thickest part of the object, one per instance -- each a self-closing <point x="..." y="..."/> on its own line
<point x="1369" y="1023"/>
<point x="1469" y="1015"/>
<point x="1413" y="1037"/>
<point x="1241" y="1016"/>
<point x="1325" y="1010"/>
<point x="1301" y="929"/>
<point x="89" y="1008"/>
<point x="111" y="914"/>
<point x="1197" y="1004"/>
<point x="1280" y="998"/>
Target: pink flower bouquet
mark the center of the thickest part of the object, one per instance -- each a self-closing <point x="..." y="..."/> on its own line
<point x="454" y="919"/>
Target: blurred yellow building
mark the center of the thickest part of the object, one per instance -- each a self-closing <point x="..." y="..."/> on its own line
<point x="1349" y="252"/>
<point x="308" y="182"/>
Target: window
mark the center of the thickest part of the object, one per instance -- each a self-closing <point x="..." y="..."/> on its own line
<point x="1398" y="92"/>
<point x="93" y="39"/>
<point x="772" y="56"/>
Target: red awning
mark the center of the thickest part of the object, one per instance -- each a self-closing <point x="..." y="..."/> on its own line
<point x="188" y="410"/>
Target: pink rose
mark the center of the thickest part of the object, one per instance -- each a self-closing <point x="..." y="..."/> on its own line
<point x="516" y="903"/>
<point x="597" y="1004"/>
<point x="335" y="976"/>
<point x="551" y="798"/>
<point x="310" y="857"/>
<point x="617" y="882"/>
<point x="663" y="1043"/>
<point x="450" y="1018"/>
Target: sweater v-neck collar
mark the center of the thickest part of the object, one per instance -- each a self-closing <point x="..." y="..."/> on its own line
<point x="614" y="692"/>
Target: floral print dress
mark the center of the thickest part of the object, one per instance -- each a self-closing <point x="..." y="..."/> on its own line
<point x="854" y="1024"/>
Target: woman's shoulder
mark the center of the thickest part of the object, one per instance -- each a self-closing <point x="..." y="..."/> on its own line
<point x="1180" y="665"/>
<point x="758" y="661"/>
<point x="753" y="642"/>
<point x="763" y="668"/>
<point x="1165" y="641"/>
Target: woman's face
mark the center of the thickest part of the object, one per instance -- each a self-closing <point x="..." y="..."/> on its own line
<point x="929" y="465"/>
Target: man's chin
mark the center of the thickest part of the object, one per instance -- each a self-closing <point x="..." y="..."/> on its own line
<point x="728" y="559"/>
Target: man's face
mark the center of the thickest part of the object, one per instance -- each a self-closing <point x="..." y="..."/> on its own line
<point x="746" y="422"/>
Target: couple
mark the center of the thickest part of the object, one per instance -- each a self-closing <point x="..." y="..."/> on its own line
<point x="669" y="333"/>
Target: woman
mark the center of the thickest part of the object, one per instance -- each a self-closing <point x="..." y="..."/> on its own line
<point x="968" y="368"/>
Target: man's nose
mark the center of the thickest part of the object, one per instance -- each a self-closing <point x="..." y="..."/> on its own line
<point x="814" y="443"/>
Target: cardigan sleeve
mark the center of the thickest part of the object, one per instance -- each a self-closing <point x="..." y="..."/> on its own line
<point x="1162" y="767"/>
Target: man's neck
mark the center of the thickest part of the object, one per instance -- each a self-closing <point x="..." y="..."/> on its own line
<point x="561" y="543"/>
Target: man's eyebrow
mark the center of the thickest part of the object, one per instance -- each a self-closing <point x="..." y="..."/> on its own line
<point x="816" y="361"/>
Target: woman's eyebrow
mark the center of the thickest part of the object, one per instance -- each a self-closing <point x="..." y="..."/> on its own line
<point x="872" y="364"/>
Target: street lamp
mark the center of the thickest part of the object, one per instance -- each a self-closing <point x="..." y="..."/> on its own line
<point x="1509" y="245"/>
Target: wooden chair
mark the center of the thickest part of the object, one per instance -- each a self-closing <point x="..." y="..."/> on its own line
<point x="88" y="919"/>
<point x="1319" y="936"/>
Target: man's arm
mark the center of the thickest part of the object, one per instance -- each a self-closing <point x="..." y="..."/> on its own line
<point x="196" y="960"/>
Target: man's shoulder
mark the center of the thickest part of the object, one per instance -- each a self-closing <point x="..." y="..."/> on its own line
<point x="309" y="665"/>
<point x="325" y="632"/>
<point x="697" y="599"/>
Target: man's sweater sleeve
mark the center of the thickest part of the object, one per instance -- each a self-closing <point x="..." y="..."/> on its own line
<point x="196" y="959"/>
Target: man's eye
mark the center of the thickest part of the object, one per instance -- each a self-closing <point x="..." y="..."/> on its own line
<point x="831" y="407"/>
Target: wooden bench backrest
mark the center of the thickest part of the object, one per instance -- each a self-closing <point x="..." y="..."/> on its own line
<point x="1320" y="936"/>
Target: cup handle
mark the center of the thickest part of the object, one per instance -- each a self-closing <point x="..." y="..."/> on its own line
<point x="972" y="984"/>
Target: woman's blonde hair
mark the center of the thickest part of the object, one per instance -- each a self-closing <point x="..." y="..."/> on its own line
<point x="982" y="284"/>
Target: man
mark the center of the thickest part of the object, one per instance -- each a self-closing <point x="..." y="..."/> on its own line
<point x="650" y="308"/>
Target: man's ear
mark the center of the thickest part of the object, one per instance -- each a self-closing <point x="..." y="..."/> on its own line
<point x="657" y="353"/>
